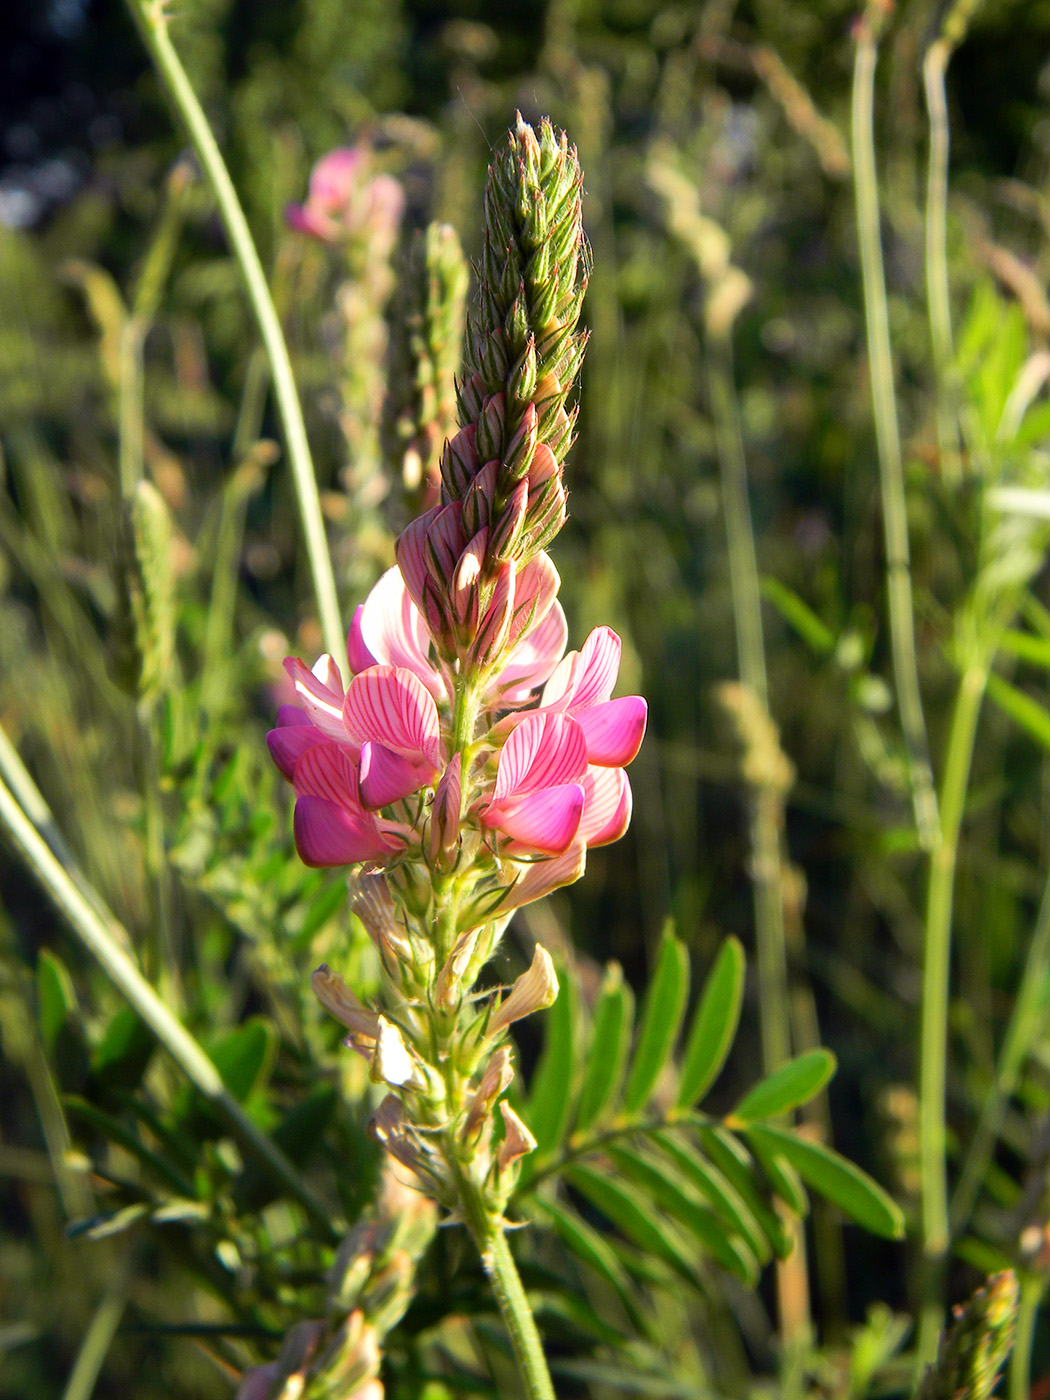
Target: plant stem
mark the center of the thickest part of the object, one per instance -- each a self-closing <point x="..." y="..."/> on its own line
<point x="938" y="302"/>
<point x="149" y="14"/>
<point x="94" y="932"/>
<point x="1024" y="1335"/>
<point x="935" y="984"/>
<point x="502" y="1274"/>
<point x="891" y="472"/>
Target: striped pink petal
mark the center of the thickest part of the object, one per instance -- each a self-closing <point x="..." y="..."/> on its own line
<point x="444" y="543"/>
<point x="545" y="750"/>
<point x="544" y="821"/>
<point x="387" y="776"/>
<point x="292" y="737"/>
<point x="328" y="834"/>
<point x="607" y="806"/>
<point x="535" y="591"/>
<point x="589" y="679"/>
<point x="327" y="771"/>
<point x="532" y="660"/>
<point x="392" y="630"/>
<point x="320" y="693"/>
<point x="614" y="729"/>
<point x="411" y="554"/>
<point x="357" y="653"/>
<point x="391" y="705"/>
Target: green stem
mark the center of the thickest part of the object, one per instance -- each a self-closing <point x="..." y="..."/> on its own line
<point x="935" y="985"/>
<point x="1024" y="1335"/>
<point x="937" y="294"/>
<point x="503" y="1276"/>
<point x="149" y="15"/>
<point x="95" y="933"/>
<point x="891" y="471"/>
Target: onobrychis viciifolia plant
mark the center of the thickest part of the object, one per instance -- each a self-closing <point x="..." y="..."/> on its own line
<point x="469" y="763"/>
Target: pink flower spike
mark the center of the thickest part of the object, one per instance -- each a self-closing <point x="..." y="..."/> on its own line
<point x="545" y="750"/>
<point x="391" y="705"/>
<point x="607" y="806"/>
<point x="614" y="730"/>
<point x="388" y="777"/>
<point x="329" y="834"/>
<point x="544" y="821"/>
<point x="320" y="693"/>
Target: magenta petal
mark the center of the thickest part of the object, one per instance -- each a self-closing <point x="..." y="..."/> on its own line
<point x="533" y="659"/>
<point x="545" y="750"/>
<point x="327" y="834"/>
<point x="599" y="664"/>
<point x="357" y="653"/>
<point x="544" y="821"/>
<point x="394" y="633"/>
<point x="320" y="693"/>
<point x="387" y="777"/>
<point x="289" y="742"/>
<point x="391" y="705"/>
<point x="327" y="770"/>
<point x="607" y="806"/>
<point x="613" y="729"/>
<point x="411" y="551"/>
<point x="445" y="543"/>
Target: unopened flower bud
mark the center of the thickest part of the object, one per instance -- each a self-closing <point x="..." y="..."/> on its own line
<point x="489" y="436"/>
<point x="506" y="532"/>
<point x="518" y="1141"/>
<point x="522" y="379"/>
<point x="518" y="457"/>
<point x="479" y="498"/>
<point x="458" y="961"/>
<point x="342" y="1003"/>
<point x="392" y="1061"/>
<point x="496" y="1079"/>
<point x="534" y="990"/>
<point x="445" y="815"/>
<point x="460" y="463"/>
<point x="390" y="1129"/>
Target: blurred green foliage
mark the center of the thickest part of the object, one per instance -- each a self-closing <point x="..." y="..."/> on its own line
<point x="140" y="648"/>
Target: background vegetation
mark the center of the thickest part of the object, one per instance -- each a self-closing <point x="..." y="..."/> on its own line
<point x="137" y="680"/>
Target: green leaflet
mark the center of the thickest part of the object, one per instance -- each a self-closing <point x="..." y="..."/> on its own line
<point x="716" y="1189"/>
<point x="839" y="1181"/>
<point x="631" y="1211"/>
<point x="664" y="1007"/>
<point x="792" y="1084"/>
<point x="609" y="1046"/>
<point x="714" y="1025"/>
<point x="1025" y="712"/>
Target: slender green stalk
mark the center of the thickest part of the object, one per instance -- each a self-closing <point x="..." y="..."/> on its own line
<point x="152" y="21"/>
<point x="1024" y="1335"/>
<point x="95" y="934"/>
<point x="891" y="471"/>
<point x="936" y="970"/>
<point x="1021" y="1033"/>
<point x="97" y="1340"/>
<point x="937" y="296"/>
<point x="517" y="1316"/>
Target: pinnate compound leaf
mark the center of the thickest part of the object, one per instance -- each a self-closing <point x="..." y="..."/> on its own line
<point x="792" y="1084"/>
<point x="674" y="1196"/>
<point x="714" y="1025"/>
<point x="735" y="1163"/>
<point x="550" y="1093"/>
<point x="609" y="1046"/>
<point x="585" y="1242"/>
<point x="782" y="1176"/>
<point x="715" y="1188"/>
<point x="836" y="1179"/>
<point x="631" y="1211"/>
<point x="665" y="1001"/>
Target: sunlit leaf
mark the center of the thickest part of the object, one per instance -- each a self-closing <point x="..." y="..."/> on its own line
<point x="662" y="1014"/>
<point x="714" y="1025"/>
<point x="1025" y="712"/>
<point x="244" y="1056"/>
<point x="839" y="1181"/>
<point x="631" y="1211"/>
<point x="716" y="1189"/>
<point x="609" y="1046"/>
<point x="789" y="1086"/>
<point x="735" y="1163"/>
<point x="782" y="1176"/>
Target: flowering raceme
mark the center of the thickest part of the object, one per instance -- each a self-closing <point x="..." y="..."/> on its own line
<point x="468" y="762"/>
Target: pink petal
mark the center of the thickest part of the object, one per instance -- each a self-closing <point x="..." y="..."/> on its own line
<point x="387" y="776"/>
<point x="492" y="631"/>
<point x="544" y="821"/>
<point x="357" y="653"/>
<point x="327" y="834"/>
<point x="332" y="178"/>
<point x="320" y="693"/>
<point x="545" y="750"/>
<point x="591" y="680"/>
<point x="613" y="729"/>
<point x="392" y="705"/>
<point x="532" y="660"/>
<point x="327" y="771"/>
<point x="445" y="543"/>
<point x="394" y="633"/>
<point x="535" y="590"/>
<point x="289" y="742"/>
<point x="607" y="806"/>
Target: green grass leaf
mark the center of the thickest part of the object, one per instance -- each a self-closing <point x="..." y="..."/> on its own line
<point x="609" y="1045"/>
<point x="56" y="999"/>
<point x="665" y="1001"/>
<point x="1025" y="712"/>
<point x="836" y="1179"/>
<point x="792" y="1084"/>
<point x="714" y="1025"/>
